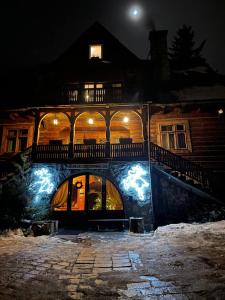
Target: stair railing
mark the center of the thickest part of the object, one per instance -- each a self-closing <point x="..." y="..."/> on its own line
<point x="181" y="165"/>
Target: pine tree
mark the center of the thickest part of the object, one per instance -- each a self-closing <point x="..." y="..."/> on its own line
<point x="183" y="53"/>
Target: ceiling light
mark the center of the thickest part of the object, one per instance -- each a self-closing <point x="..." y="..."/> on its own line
<point x="220" y="111"/>
<point x="90" y="121"/>
<point x="125" y="119"/>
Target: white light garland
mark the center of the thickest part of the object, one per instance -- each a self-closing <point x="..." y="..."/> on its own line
<point x="135" y="181"/>
<point x="43" y="183"/>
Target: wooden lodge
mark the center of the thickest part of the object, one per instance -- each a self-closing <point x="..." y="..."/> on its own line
<point x="102" y="134"/>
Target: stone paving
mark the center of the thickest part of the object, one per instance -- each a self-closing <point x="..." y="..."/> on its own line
<point x="110" y="266"/>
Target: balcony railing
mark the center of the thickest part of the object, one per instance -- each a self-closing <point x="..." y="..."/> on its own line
<point x="79" y="94"/>
<point x="79" y="152"/>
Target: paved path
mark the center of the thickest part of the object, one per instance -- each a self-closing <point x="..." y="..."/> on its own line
<point x="111" y="266"/>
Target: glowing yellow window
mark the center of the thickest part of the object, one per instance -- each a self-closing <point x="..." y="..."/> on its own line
<point x="95" y="51"/>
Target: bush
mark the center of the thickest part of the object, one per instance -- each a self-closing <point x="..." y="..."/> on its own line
<point x="13" y="201"/>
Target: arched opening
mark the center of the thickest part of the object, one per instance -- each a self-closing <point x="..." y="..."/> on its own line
<point x="90" y="128"/>
<point x="54" y="129"/>
<point x="126" y="127"/>
<point x="90" y="193"/>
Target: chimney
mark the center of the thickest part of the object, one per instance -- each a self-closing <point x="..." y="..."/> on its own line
<point x="159" y="55"/>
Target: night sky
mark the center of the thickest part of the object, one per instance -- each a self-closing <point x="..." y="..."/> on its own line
<point x="34" y="32"/>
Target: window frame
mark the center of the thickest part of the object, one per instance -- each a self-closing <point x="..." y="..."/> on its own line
<point x="174" y="123"/>
<point x="18" y="136"/>
<point x="95" y="45"/>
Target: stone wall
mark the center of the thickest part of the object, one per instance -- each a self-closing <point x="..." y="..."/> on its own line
<point x="175" y="201"/>
<point x="44" y="179"/>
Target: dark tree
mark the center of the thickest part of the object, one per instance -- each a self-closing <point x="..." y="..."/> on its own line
<point x="183" y="53"/>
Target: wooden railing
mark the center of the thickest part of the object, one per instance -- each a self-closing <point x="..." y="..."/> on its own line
<point x="127" y="150"/>
<point x="51" y="152"/>
<point x="79" y="94"/>
<point x="92" y="152"/>
<point x="181" y="165"/>
<point x="89" y="151"/>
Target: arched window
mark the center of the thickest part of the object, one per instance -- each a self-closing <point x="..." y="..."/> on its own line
<point x="87" y="192"/>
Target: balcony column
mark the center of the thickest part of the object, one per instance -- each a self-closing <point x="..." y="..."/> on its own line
<point x="145" y="129"/>
<point x="107" y="122"/>
<point x="72" y="122"/>
<point x="35" y="136"/>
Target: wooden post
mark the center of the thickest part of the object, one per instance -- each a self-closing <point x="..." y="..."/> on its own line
<point x="107" y="122"/>
<point x="35" y="136"/>
<point x="145" y="130"/>
<point x="72" y="122"/>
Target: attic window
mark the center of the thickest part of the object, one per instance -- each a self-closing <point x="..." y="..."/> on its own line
<point x="95" y="51"/>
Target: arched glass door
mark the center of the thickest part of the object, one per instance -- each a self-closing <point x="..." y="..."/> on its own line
<point x="92" y="194"/>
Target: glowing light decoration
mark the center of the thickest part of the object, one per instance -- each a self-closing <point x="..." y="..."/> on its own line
<point x="135" y="181"/>
<point x="43" y="183"/>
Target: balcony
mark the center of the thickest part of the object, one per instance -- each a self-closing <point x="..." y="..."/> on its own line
<point x="93" y="153"/>
<point x="94" y="93"/>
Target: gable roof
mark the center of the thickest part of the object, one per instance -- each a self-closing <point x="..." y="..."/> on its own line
<point x="113" y="49"/>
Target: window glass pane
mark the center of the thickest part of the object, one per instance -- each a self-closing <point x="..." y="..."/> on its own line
<point x="78" y="193"/>
<point x="95" y="193"/>
<point x="113" y="199"/>
<point x="116" y="85"/>
<point x="60" y="199"/>
<point x="22" y="143"/>
<point x="181" y="142"/>
<point x="99" y="86"/>
<point x="23" y="132"/>
<point x="164" y="140"/>
<point x="180" y="127"/>
<point x="12" y="133"/>
<point x="11" y="145"/>
<point x="96" y="51"/>
<point x="166" y="128"/>
<point x="89" y="86"/>
<point x="171" y="141"/>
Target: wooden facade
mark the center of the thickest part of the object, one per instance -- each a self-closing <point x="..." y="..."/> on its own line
<point x="117" y="108"/>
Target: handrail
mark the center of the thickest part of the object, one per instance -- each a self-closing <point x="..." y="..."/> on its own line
<point x="89" y="152"/>
<point x="180" y="164"/>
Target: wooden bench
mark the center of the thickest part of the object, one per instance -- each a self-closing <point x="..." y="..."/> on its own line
<point x="120" y="223"/>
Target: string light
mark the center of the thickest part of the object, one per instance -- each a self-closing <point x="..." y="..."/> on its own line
<point x="135" y="181"/>
<point x="43" y="183"/>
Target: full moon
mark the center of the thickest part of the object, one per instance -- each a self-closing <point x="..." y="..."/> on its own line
<point x="135" y="12"/>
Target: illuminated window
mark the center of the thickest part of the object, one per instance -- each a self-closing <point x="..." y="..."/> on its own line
<point x="95" y="193"/>
<point x="94" y="92"/>
<point x="175" y="135"/>
<point x="87" y="193"/>
<point x="60" y="199"/>
<point x="95" y="51"/>
<point x="113" y="199"/>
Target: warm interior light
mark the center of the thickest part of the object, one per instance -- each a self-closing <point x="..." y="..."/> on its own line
<point x="90" y="121"/>
<point x="220" y="111"/>
<point x="125" y="119"/>
<point x="55" y="121"/>
<point x="95" y="51"/>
